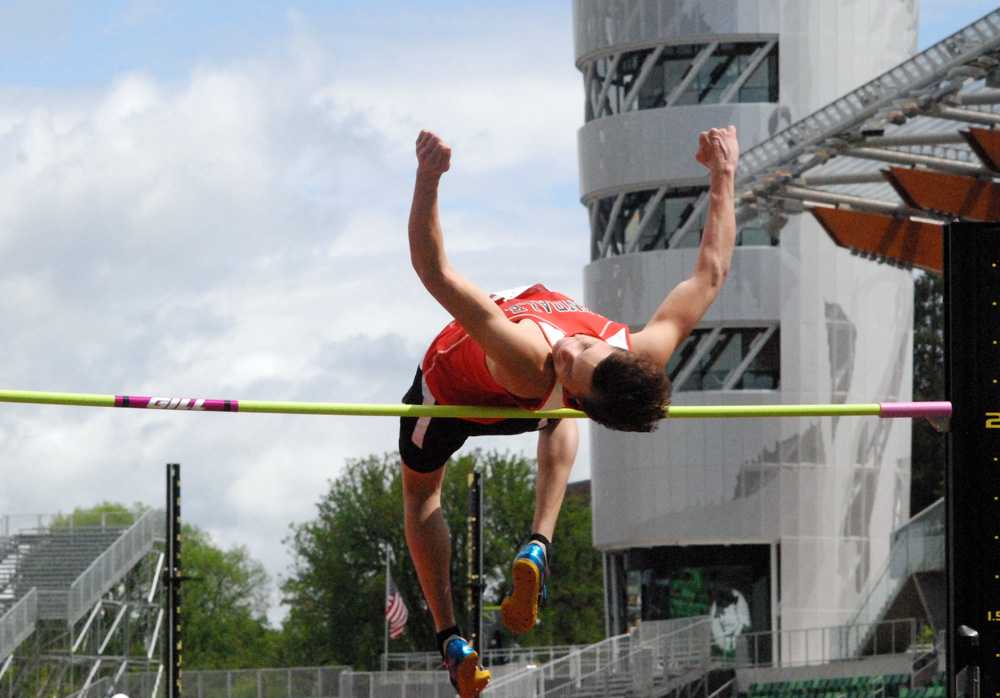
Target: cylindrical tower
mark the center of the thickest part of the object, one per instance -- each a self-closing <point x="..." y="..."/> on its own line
<point x="765" y="525"/>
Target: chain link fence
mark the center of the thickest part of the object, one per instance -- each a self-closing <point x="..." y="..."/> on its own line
<point x="298" y="682"/>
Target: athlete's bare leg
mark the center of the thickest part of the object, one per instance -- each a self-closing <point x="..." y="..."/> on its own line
<point x="429" y="541"/>
<point x="556" y="453"/>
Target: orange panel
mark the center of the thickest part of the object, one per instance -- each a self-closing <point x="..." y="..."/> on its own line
<point x="986" y="143"/>
<point x="963" y="197"/>
<point x="909" y="242"/>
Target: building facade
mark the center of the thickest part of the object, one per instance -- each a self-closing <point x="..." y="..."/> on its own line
<point x="765" y="525"/>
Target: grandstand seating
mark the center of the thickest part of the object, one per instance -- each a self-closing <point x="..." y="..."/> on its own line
<point x="52" y="559"/>
<point x="51" y="578"/>
<point x="890" y="686"/>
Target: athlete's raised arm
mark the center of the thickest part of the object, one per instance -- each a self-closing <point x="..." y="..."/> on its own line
<point x="687" y="303"/>
<point x="513" y="346"/>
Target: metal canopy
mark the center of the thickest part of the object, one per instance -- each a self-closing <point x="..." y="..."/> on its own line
<point x="933" y="113"/>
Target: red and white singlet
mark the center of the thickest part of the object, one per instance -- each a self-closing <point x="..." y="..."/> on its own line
<point x="454" y="367"/>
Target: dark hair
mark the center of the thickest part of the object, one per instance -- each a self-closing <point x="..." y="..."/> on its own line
<point x="628" y="392"/>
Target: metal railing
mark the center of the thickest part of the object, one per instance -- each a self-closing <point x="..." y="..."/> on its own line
<point x="12" y="524"/>
<point x="917" y="546"/>
<point x="659" y="654"/>
<point x="114" y="562"/>
<point x="566" y="670"/>
<point x="726" y="689"/>
<point x="17" y="624"/>
<point x="427" y="661"/>
<point x="9" y="556"/>
<point x="814" y="646"/>
<point x="296" y="682"/>
<point x="929" y="660"/>
<point x="395" y="684"/>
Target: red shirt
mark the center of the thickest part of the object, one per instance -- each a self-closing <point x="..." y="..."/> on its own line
<point x="454" y="366"/>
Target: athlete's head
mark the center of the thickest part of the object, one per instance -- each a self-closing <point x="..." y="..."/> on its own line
<point x="616" y="388"/>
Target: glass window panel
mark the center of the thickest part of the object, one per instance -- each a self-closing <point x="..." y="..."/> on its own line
<point x="764" y="371"/>
<point x="672" y="211"/>
<point x="683" y="353"/>
<point x="676" y="211"/>
<point x="627" y="73"/>
<point x="726" y="354"/>
<point x="710" y="371"/>
<point x="772" y="75"/>
<point x="630" y="65"/>
<point x="652" y="94"/>
<point x="717" y="74"/>
<point x="754" y="234"/>
<point x="762" y="85"/>
<point x="653" y="236"/>
<point x="720" y="71"/>
<point x="601" y="68"/>
<point x="604" y="207"/>
<point x="633" y="209"/>
<point x="676" y="61"/>
<point x="681" y="53"/>
<point x="631" y="229"/>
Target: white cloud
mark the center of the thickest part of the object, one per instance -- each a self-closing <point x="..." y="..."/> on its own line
<point x="241" y="234"/>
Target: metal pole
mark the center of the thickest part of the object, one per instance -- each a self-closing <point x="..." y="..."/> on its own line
<point x="474" y="561"/>
<point x="385" y="645"/>
<point x="172" y="583"/>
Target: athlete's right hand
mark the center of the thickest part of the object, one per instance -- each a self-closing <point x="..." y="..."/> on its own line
<point x="433" y="154"/>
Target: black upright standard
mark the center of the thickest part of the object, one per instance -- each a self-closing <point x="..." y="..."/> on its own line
<point x="474" y="560"/>
<point x="173" y="646"/>
<point x="972" y="346"/>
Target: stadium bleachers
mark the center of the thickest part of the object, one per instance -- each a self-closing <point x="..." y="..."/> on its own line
<point x="890" y="686"/>
<point x="53" y="559"/>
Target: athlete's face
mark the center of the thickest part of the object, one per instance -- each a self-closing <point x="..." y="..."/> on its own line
<point x="575" y="358"/>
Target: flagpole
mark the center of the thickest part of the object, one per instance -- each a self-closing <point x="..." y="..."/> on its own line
<point x="385" y="651"/>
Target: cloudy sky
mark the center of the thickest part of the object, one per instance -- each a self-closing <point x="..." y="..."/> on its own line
<point x="212" y="202"/>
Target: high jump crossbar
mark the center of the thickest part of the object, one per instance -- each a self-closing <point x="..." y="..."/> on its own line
<point x="885" y="410"/>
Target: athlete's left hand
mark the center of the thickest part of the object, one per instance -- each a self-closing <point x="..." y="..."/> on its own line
<point x="718" y="149"/>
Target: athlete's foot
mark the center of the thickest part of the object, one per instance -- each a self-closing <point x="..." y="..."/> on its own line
<point x="519" y="611"/>
<point x="468" y="678"/>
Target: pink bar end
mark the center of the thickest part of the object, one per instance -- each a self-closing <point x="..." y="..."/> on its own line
<point x="914" y="410"/>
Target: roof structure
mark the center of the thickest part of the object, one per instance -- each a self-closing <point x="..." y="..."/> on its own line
<point x="884" y="166"/>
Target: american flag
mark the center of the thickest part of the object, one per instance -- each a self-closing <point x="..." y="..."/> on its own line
<point x="395" y="611"/>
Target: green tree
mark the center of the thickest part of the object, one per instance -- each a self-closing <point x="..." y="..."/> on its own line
<point x="928" y="459"/>
<point x="337" y="586"/>
<point x="336" y="590"/>
<point x="574" y="613"/>
<point x="224" y="606"/>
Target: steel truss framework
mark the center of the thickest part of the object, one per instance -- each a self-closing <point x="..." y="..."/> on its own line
<point x="885" y="165"/>
<point x="120" y="633"/>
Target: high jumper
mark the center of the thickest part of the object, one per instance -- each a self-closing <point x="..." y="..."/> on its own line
<point x="534" y="348"/>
